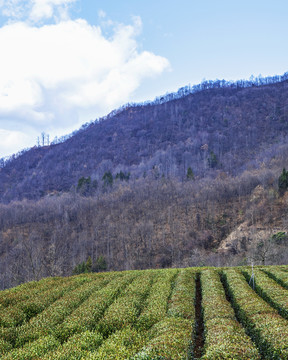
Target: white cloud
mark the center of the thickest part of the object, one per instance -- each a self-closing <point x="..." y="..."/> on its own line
<point x="54" y="76"/>
<point x="101" y="14"/>
<point x="12" y="141"/>
<point x="36" y="10"/>
<point x="45" y="9"/>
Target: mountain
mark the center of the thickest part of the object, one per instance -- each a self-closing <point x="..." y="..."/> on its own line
<point x="189" y="179"/>
<point x="219" y="128"/>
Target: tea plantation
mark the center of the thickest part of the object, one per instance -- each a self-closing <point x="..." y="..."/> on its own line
<point x="192" y="313"/>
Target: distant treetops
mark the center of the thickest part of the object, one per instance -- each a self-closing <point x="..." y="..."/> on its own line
<point x="283" y="182"/>
<point x="87" y="186"/>
<point x="99" y="265"/>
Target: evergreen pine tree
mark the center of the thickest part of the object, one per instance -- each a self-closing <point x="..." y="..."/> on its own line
<point x="107" y="179"/>
<point x="212" y="160"/>
<point x="89" y="264"/>
<point x="283" y="182"/>
<point x="100" y="264"/>
<point x="190" y="174"/>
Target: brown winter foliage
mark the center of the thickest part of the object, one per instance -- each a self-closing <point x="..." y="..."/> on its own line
<point x="232" y="137"/>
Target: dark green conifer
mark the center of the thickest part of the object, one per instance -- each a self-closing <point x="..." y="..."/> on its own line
<point x="283" y="182"/>
<point x="190" y="174"/>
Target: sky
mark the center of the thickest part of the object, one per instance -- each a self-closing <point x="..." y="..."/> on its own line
<point x="66" y="62"/>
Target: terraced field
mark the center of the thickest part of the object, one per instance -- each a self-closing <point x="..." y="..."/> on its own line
<point x="193" y="313"/>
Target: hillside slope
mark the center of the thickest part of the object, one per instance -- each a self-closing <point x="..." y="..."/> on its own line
<point x="202" y="190"/>
<point x="220" y="128"/>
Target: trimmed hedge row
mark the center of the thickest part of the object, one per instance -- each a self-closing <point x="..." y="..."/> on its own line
<point x="270" y="291"/>
<point x="224" y="336"/>
<point x="171" y="337"/>
<point x="120" y="345"/>
<point x="157" y="302"/>
<point x="33" y="350"/>
<point x="44" y="323"/>
<point x="266" y="327"/>
<point x="182" y="303"/>
<point x="126" y="309"/>
<point x="280" y="276"/>
<point x="86" y="316"/>
<point x="35" y="302"/>
<point x="79" y="346"/>
<point x="27" y="291"/>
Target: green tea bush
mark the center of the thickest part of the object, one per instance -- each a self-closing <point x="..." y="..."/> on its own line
<point x="157" y="302"/>
<point x="121" y="345"/>
<point x="45" y="322"/>
<point x="78" y="346"/>
<point x="266" y="327"/>
<point x="125" y="310"/>
<point x="279" y="275"/>
<point x="182" y="303"/>
<point x="170" y="339"/>
<point x="270" y="291"/>
<point x="87" y="315"/>
<point x="33" y="350"/>
<point x="224" y="336"/>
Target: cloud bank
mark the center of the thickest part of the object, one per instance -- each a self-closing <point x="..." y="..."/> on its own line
<point x="55" y="76"/>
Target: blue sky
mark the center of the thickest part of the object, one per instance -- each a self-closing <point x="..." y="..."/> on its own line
<point x="66" y="62"/>
<point x="207" y="39"/>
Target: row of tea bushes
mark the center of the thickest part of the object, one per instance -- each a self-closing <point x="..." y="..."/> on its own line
<point x="279" y="275"/>
<point x="171" y="336"/>
<point x="33" y="350"/>
<point x="78" y="346"/>
<point x="44" y="323"/>
<point x="266" y="327"/>
<point x="182" y="303"/>
<point x="87" y="315"/>
<point x="132" y="336"/>
<point x="270" y="291"/>
<point x="18" y="313"/>
<point x="224" y="336"/>
<point x="157" y="302"/>
<point x="27" y="291"/>
<point x="120" y="345"/>
<point x="126" y="309"/>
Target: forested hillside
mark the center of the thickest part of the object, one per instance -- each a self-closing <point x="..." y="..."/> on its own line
<point x="193" y="178"/>
<point x="228" y="128"/>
